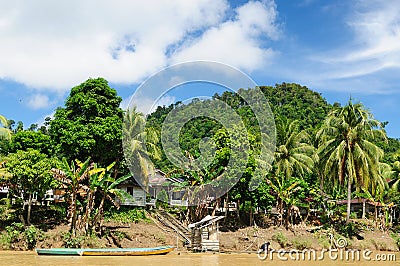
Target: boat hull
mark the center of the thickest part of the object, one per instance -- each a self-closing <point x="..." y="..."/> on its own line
<point x="105" y="251"/>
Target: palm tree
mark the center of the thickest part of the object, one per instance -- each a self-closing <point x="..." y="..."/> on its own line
<point x="293" y="155"/>
<point x="346" y="152"/>
<point x="395" y="176"/>
<point x="139" y="144"/>
<point x="5" y="132"/>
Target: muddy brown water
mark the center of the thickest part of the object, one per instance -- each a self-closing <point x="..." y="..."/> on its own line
<point x="10" y="258"/>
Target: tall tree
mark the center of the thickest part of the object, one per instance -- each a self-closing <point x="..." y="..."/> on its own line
<point x="140" y="145"/>
<point x="293" y="154"/>
<point x="29" y="177"/>
<point x="347" y="153"/>
<point x="90" y="125"/>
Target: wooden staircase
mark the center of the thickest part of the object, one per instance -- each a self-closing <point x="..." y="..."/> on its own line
<point x="169" y="221"/>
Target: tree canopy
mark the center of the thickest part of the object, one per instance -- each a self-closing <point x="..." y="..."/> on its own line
<point x="90" y="124"/>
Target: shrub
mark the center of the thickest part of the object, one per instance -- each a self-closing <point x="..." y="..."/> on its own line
<point x="71" y="241"/>
<point x="18" y="233"/>
<point x="349" y="230"/>
<point x="281" y="239"/>
<point x="125" y="215"/>
<point x="301" y="244"/>
<point x="31" y="236"/>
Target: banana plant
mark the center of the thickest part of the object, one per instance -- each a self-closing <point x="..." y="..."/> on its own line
<point x="72" y="178"/>
<point x="106" y="185"/>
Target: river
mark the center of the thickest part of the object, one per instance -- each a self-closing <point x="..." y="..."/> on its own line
<point x="11" y="258"/>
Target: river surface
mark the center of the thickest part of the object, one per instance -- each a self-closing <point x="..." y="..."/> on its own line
<point x="10" y="258"/>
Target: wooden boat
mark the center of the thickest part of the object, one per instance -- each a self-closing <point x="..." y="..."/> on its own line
<point x="105" y="251"/>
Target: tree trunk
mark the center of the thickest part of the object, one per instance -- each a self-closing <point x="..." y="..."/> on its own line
<point x="73" y="213"/>
<point x="89" y="208"/>
<point x="28" y="215"/>
<point x="216" y="206"/>
<point x="238" y="209"/>
<point x="251" y="214"/>
<point x="99" y="216"/>
<point x="226" y="204"/>
<point x="348" y="201"/>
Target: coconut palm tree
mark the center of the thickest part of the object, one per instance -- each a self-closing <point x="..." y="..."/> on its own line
<point x="394" y="182"/>
<point x="293" y="155"/>
<point x="5" y="132"/>
<point x="347" y="154"/>
<point x="140" y="144"/>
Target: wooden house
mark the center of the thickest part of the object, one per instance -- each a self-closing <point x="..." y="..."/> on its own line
<point x="205" y="234"/>
<point x="158" y="185"/>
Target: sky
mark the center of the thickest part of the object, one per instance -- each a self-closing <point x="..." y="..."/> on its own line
<point x="340" y="49"/>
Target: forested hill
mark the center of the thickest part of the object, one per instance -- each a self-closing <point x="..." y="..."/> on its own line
<point x="294" y="102"/>
<point x="287" y="101"/>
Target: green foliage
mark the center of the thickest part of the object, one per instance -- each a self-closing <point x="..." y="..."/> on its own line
<point x="126" y="215"/>
<point x="90" y="124"/>
<point x="72" y="241"/>
<point x="29" y="173"/>
<point x="348" y="229"/>
<point x="288" y="101"/>
<point x="31" y="234"/>
<point x="396" y="239"/>
<point x="5" y="132"/>
<point x="6" y="211"/>
<point x="26" y="139"/>
<point x="301" y="243"/>
<point x="281" y="239"/>
<point x="17" y="233"/>
<point x="296" y="102"/>
<point x="347" y="153"/>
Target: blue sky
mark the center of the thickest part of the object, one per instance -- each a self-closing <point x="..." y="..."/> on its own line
<point x="340" y="49"/>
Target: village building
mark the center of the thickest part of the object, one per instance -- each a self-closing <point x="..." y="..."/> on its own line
<point x="205" y="234"/>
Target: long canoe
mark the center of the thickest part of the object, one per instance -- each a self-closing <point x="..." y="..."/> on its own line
<point x="105" y="251"/>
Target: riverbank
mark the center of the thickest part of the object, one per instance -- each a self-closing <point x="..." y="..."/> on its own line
<point x="248" y="239"/>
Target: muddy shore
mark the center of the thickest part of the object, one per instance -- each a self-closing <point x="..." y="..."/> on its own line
<point x="149" y="234"/>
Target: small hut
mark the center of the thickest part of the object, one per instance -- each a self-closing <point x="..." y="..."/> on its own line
<point x="205" y="234"/>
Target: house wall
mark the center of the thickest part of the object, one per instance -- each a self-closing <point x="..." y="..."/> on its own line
<point x="137" y="193"/>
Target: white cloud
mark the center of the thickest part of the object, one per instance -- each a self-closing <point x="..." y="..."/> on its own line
<point x="145" y="104"/>
<point x="237" y="41"/>
<point x="376" y="43"/>
<point x="39" y="101"/>
<point x="57" y="45"/>
<point x="51" y="45"/>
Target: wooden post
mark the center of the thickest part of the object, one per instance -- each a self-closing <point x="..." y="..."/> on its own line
<point x="363" y="209"/>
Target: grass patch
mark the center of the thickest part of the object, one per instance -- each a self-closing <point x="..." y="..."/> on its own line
<point x="126" y="215"/>
<point x="301" y="244"/>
